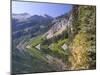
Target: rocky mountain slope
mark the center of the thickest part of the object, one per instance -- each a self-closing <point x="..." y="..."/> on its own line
<point x="24" y="24"/>
<point x="60" y="24"/>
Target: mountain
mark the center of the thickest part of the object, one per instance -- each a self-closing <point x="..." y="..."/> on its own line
<point x="23" y="24"/>
<point x="21" y="17"/>
<point x="60" y="24"/>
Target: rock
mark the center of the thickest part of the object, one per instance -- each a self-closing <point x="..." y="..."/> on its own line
<point x="64" y="46"/>
<point x="59" y="25"/>
<point x="38" y="46"/>
<point x="28" y="46"/>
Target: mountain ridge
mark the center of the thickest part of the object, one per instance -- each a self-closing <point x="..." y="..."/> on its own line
<point x="60" y="24"/>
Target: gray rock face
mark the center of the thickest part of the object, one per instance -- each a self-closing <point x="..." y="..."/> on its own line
<point x="60" y="24"/>
<point x="64" y="46"/>
<point x="38" y="46"/>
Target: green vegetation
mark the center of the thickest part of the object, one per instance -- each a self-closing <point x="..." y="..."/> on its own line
<point x="79" y="52"/>
<point x="31" y="47"/>
<point x="82" y="48"/>
<point x="56" y="47"/>
<point x="34" y="41"/>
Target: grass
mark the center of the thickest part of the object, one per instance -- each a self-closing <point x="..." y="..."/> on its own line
<point x="57" y="45"/>
<point x="36" y="53"/>
<point x="35" y="41"/>
<point x="53" y="49"/>
<point x="56" y="48"/>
